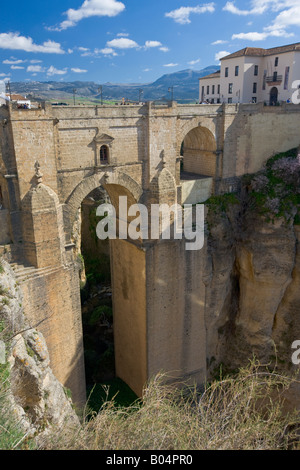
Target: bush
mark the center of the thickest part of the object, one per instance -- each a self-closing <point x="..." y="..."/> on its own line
<point x="244" y="412"/>
<point x="275" y="191"/>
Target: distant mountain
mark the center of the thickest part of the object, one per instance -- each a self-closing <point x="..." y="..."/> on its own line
<point x="185" y="86"/>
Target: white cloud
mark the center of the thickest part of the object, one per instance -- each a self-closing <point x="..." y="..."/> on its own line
<point x="83" y="49"/>
<point x="122" y="43"/>
<point x="88" y="9"/>
<point x="170" y="65"/>
<point x="70" y="51"/>
<point x="35" y="61"/>
<point x="106" y="51"/>
<point x="219" y="41"/>
<point x="120" y="35"/>
<point x="255" y="36"/>
<point x="220" y="55"/>
<point x="149" y="44"/>
<point x="258" y="7"/>
<point x="76" y="70"/>
<point x="251" y="36"/>
<point x="34" y="68"/>
<point x="194" y="62"/>
<point x="147" y="70"/>
<point x="16" y="42"/>
<point x="182" y="15"/>
<point x="53" y="71"/>
<point x="288" y="15"/>
<point x="16" y="67"/>
<point x="164" y="49"/>
<point x="13" y="61"/>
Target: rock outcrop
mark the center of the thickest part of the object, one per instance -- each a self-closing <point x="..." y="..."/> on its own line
<point x="252" y="282"/>
<point x="36" y="399"/>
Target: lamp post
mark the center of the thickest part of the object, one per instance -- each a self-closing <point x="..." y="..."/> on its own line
<point x="9" y="89"/>
<point x="74" y="93"/>
<point x="140" y="94"/>
<point x="171" y="90"/>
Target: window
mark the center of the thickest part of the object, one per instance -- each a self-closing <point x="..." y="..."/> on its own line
<point x="202" y="93"/>
<point x="275" y="77"/>
<point x="219" y="89"/>
<point x="213" y="90"/>
<point x="254" y="99"/>
<point x="254" y="87"/>
<point x="104" y="155"/>
<point x="207" y="90"/>
<point x="226" y="72"/>
<point x="229" y="100"/>
<point x="256" y="70"/>
<point x="276" y="61"/>
<point x="230" y="86"/>
<point x="264" y="80"/>
<point x="236" y="72"/>
<point x="286" y="78"/>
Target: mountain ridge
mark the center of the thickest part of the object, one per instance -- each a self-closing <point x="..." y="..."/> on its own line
<point x="182" y="85"/>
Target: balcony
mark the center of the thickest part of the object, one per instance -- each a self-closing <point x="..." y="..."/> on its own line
<point x="274" y="80"/>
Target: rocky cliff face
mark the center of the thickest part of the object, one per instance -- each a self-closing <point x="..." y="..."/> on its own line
<point x="252" y="272"/>
<point x="31" y="393"/>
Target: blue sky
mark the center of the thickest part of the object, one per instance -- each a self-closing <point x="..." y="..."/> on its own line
<point x="134" y="41"/>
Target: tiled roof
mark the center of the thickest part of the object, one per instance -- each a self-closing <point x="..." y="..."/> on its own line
<point x="15" y="97"/>
<point x="282" y="49"/>
<point x="212" y="75"/>
<point x="259" y="52"/>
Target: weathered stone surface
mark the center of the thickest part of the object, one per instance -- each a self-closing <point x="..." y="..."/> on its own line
<point x="252" y="280"/>
<point x="37" y="399"/>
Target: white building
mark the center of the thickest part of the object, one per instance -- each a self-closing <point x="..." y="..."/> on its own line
<point x="254" y="75"/>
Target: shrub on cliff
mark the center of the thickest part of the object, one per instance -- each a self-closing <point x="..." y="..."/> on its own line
<point x="275" y="191"/>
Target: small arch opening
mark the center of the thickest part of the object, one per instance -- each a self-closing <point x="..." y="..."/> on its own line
<point x="198" y="154"/>
<point x="104" y="155"/>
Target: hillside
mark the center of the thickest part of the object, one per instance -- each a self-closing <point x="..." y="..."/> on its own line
<point x="185" y="85"/>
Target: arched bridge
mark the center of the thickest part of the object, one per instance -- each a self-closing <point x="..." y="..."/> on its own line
<point x="155" y="153"/>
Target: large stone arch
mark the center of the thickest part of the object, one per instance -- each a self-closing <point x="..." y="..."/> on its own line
<point x="200" y="152"/>
<point x="128" y="276"/>
<point x="116" y="183"/>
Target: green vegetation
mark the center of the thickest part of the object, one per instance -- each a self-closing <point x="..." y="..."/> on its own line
<point x="274" y="192"/>
<point x="112" y="390"/>
<point x="97" y="269"/>
<point x="102" y="314"/>
<point x="221" y="203"/>
<point x="12" y="437"/>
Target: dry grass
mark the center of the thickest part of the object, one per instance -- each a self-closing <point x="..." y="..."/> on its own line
<point x="245" y="412"/>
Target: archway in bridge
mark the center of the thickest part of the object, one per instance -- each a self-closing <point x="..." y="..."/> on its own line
<point x="198" y="152"/>
<point x="113" y="297"/>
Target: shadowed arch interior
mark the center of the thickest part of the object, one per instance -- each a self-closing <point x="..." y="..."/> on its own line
<point x="199" y="152"/>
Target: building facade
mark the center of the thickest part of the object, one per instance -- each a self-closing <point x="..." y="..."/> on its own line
<point x="253" y="75"/>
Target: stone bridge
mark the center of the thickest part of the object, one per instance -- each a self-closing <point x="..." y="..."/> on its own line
<point x="155" y="153"/>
